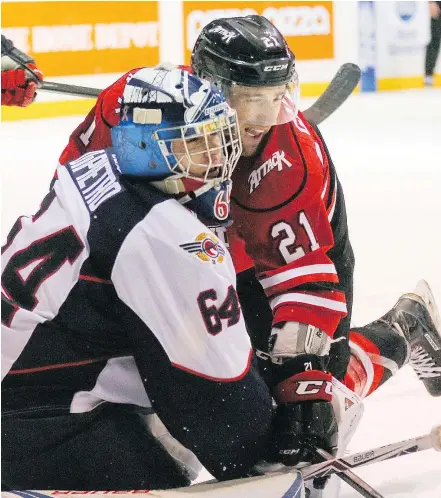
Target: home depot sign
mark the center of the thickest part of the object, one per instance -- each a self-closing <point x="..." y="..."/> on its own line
<point x="68" y="38"/>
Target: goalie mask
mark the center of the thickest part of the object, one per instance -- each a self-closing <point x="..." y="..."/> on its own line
<point x="250" y="60"/>
<point x="178" y="131"/>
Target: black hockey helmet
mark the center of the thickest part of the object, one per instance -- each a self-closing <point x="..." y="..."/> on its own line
<point x="243" y="54"/>
<point x="249" y="51"/>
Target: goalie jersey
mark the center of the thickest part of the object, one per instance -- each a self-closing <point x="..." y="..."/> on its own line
<point x="112" y="277"/>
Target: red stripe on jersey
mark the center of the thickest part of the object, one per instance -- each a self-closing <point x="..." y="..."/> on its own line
<point x="59" y="365"/>
<point x="95" y="279"/>
<point x="217" y="379"/>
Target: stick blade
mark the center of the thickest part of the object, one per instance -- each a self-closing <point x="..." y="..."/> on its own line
<point x="341" y="86"/>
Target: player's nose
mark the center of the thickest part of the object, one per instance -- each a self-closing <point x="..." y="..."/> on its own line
<point x="216" y="149"/>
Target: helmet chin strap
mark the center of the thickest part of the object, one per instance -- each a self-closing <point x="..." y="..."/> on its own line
<point x="175" y="186"/>
<point x="195" y="193"/>
<point x="170" y="185"/>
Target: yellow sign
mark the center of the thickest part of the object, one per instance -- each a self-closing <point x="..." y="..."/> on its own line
<point x="307" y="26"/>
<point x="67" y="38"/>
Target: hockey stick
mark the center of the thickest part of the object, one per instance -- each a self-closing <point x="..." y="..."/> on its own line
<point x="339" y="89"/>
<point x="341" y="86"/>
<point x="323" y="469"/>
<point x="75" y="90"/>
<point x="353" y="480"/>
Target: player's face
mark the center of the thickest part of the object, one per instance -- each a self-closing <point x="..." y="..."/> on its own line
<point x="195" y="154"/>
<point x="257" y="111"/>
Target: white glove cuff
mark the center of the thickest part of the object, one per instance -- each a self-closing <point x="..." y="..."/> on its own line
<point x="296" y="338"/>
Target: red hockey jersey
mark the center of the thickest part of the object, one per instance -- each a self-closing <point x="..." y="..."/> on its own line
<point x="94" y="132"/>
<point x="283" y="203"/>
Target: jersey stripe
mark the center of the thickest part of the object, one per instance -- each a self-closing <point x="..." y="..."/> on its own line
<point x="295" y="273"/>
<point x="312" y="300"/>
<point x="54" y="367"/>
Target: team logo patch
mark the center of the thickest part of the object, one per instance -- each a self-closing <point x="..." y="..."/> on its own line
<point x="206" y="247"/>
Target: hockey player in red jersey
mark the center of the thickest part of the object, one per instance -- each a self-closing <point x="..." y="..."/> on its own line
<point x="20" y="76"/>
<point x="289" y="239"/>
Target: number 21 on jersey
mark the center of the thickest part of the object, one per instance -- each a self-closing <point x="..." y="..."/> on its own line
<point x="287" y="245"/>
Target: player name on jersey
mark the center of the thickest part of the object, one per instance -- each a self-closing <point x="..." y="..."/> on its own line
<point x="95" y="176"/>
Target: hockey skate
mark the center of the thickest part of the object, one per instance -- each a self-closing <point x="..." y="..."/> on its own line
<point x="416" y="316"/>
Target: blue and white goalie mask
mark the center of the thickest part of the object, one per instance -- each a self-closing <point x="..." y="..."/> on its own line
<point x="178" y="131"/>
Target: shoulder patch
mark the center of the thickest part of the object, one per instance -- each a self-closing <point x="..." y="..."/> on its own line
<point x="96" y="175"/>
<point x="206" y="247"/>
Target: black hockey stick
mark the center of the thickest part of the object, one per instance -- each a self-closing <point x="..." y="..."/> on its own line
<point x="49" y="86"/>
<point x="77" y="91"/>
<point x="341" y="86"/>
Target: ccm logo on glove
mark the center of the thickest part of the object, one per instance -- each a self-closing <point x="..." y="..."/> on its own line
<point x="305" y="386"/>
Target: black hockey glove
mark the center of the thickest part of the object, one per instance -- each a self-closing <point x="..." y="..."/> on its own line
<point x="305" y="417"/>
<point x="305" y="420"/>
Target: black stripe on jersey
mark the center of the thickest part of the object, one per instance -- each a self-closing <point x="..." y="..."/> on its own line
<point x="290" y="199"/>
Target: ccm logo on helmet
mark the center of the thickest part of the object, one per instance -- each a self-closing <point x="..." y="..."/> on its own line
<point x="279" y="67"/>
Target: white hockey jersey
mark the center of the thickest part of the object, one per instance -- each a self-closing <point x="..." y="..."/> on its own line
<point x="100" y="255"/>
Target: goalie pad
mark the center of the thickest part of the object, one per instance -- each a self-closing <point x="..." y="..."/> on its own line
<point x="286" y="485"/>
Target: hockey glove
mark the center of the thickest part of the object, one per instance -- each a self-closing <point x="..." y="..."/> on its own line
<point x="20" y="76"/>
<point x="307" y="422"/>
<point x="304" y="417"/>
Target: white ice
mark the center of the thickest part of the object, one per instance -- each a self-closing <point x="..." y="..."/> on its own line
<point x="386" y="148"/>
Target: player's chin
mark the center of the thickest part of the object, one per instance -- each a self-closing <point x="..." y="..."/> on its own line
<point x="249" y="147"/>
<point x="251" y="138"/>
